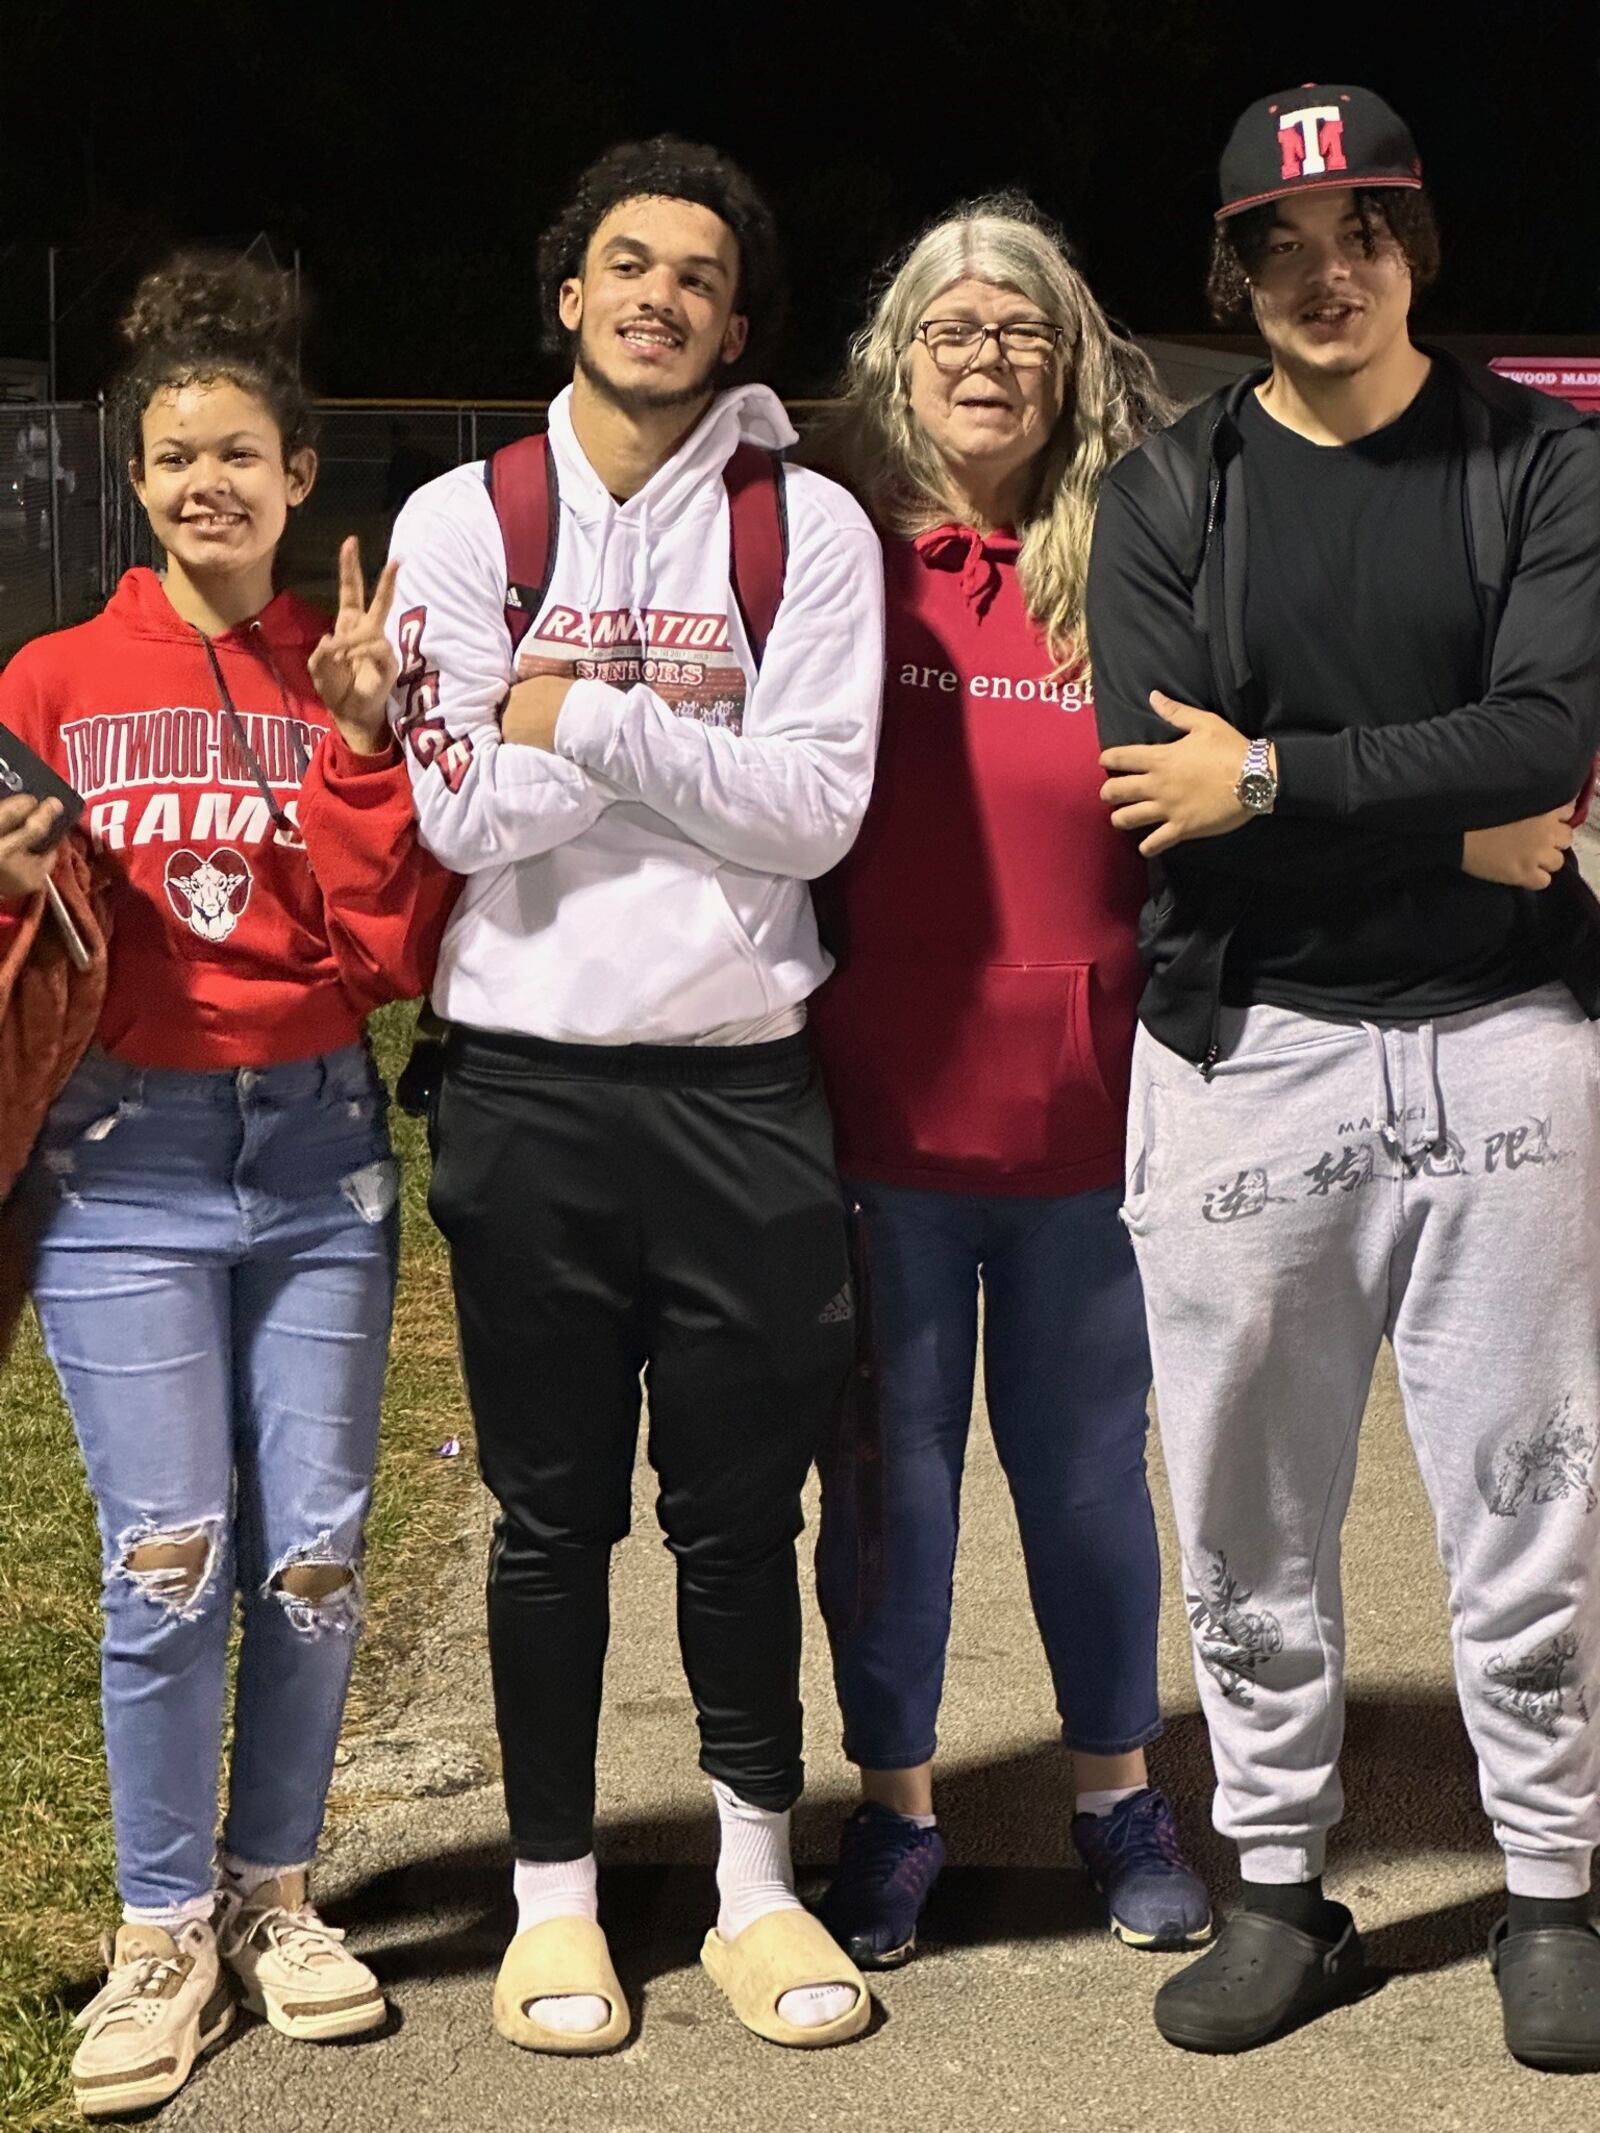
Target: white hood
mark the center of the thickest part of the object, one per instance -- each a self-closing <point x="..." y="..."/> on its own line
<point x="748" y="414"/>
<point x="644" y="882"/>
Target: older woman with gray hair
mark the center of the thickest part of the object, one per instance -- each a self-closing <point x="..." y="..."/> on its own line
<point x="976" y="1040"/>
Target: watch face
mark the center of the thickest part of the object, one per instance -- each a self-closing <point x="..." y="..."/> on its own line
<point x="1257" y="791"/>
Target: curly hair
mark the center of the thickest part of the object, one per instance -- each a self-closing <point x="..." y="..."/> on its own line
<point x="206" y="317"/>
<point x="1111" y="402"/>
<point x="1240" y="242"/>
<point x="666" y="168"/>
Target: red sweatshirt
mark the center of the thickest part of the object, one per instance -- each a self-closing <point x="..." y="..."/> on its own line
<point x="237" y="939"/>
<point x="978" y="1033"/>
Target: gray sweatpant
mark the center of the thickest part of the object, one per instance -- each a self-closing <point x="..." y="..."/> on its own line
<point x="1334" y="1182"/>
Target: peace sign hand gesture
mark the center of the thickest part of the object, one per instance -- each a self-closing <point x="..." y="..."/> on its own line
<point x="354" y="669"/>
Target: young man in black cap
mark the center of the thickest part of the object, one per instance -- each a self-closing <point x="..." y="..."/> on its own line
<point x="1344" y="619"/>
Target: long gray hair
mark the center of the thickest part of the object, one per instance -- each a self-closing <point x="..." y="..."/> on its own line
<point x="1112" y="400"/>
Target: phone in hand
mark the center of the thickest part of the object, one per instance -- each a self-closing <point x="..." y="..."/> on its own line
<point x="22" y="771"/>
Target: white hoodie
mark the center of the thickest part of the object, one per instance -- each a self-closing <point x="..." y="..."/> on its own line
<point x="646" y="882"/>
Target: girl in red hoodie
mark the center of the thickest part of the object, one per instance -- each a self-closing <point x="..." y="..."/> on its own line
<point x="977" y="1039"/>
<point x="215" y="1188"/>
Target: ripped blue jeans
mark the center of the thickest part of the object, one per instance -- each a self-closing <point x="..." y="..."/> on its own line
<point x="214" y="1283"/>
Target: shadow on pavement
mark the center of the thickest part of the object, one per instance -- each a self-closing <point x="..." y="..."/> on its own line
<point x="1409" y="1775"/>
<point x="1435" y="1940"/>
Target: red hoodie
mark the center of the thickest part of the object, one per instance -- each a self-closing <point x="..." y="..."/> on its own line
<point x="238" y="938"/>
<point x="978" y="1032"/>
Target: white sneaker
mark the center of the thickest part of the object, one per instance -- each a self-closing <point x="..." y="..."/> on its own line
<point x="294" y="1969"/>
<point x="166" y="2001"/>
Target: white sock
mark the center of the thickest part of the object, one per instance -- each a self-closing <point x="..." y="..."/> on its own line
<point x="560" y="1888"/>
<point x="755" y="1875"/>
<point x="1101" y="1803"/>
<point x="169" y="1916"/>
<point x="244" y="1878"/>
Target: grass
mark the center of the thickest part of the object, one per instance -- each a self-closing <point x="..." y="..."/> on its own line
<point x="56" y="1867"/>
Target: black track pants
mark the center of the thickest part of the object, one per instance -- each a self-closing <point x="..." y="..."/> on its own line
<point x="670" y="1210"/>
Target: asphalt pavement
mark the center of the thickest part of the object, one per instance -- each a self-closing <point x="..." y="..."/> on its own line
<point x="1020" y="2011"/>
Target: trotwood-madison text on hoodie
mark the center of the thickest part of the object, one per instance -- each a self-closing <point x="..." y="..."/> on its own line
<point x="237" y="940"/>
<point x="645" y="881"/>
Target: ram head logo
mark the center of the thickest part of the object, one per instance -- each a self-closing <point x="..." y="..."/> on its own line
<point x="209" y="895"/>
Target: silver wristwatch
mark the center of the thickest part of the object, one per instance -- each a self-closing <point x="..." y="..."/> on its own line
<point x="1257" y="788"/>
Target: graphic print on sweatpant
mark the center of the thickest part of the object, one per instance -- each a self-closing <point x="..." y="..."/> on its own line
<point x="1332" y="1183"/>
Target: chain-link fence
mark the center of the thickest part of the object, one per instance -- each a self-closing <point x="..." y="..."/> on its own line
<point x="55" y="532"/>
<point x="369" y="459"/>
<point x="70" y="523"/>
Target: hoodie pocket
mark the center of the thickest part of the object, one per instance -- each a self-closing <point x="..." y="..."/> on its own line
<point x="995" y="1068"/>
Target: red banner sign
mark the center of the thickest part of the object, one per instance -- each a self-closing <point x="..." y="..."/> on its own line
<point x="1574" y="378"/>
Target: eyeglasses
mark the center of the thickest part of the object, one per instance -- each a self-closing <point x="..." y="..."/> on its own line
<point x="956" y="343"/>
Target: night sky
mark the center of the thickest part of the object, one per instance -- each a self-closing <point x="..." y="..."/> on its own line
<point x="413" y="153"/>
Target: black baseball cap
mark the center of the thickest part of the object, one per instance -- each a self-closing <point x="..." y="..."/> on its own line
<point x="1316" y="138"/>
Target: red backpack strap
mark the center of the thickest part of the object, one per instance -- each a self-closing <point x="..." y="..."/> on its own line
<point x="758" y="538"/>
<point x="521" y="480"/>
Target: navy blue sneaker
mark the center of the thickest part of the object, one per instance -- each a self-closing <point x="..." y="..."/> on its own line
<point x="1155" y="1897"/>
<point x="887" y="1865"/>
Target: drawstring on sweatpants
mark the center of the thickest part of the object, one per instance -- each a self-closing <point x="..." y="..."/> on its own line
<point x="1390" y="1126"/>
<point x="1433" y="1106"/>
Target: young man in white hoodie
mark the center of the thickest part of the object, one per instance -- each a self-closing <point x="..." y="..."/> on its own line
<point x="632" y="1156"/>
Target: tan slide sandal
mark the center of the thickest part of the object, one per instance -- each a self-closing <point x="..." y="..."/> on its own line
<point x="784" y="1952"/>
<point x="561" y="1958"/>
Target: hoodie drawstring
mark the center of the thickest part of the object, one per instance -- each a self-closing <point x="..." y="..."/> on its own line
<point x="637" y="585"/>
<point x="280" y="819"/>
<point x="1391" y="1128"/>
<point x="302" y="761"/>
<point x="597" y="578"/>
<point x="638" y="578"/>
<point x="1433" y="1108"/>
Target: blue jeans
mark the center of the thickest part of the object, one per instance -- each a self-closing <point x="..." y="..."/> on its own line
<point x="1067" y="1373"/>
<point x="214" y="1284"/>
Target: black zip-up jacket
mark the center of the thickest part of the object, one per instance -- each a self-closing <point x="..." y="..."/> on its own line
<point x="1166" y="605"/>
